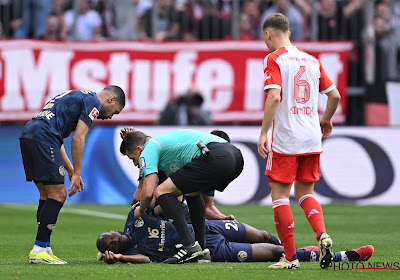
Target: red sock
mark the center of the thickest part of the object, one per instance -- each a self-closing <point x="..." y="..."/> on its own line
<point x="313" y="211"/>
<point x="284" y="226"/>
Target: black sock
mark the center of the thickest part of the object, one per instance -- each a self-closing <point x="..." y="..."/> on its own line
<point x="48" y="218"/>
<point x="173" y="209"/>
<point x="198" y="217"/>
<point x="39" y="209"/>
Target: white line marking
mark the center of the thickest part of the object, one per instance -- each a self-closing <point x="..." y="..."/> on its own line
<point x="84" y="212"/>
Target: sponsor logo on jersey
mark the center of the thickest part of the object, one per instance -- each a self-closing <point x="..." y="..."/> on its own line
<point x="174" y="167"/>
<point x="61" y="170"/>
<point x="242" y="256"/>
<point x="142" y="164"/>
<point x="94" y="113"/>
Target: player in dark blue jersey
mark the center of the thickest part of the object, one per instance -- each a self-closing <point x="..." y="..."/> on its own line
<point x="45" y="159"/>
<point x="154" y="240"/>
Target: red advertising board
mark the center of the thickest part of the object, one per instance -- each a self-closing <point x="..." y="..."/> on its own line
<point x="229" y="74"/>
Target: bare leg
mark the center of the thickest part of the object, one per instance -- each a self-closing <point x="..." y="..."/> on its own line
<point x="254" y="235"/>
<point x="265" y="252"/>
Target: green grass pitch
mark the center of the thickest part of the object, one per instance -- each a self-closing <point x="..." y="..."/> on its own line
<point x="77" y="229"/>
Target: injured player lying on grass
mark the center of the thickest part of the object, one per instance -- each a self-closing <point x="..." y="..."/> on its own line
<point x="154" y="240"/>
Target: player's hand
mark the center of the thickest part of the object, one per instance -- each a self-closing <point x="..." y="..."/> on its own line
<point x="326" y="128"/>
<point x="230" y="217"/>
<point x="126" y="130"/>
<point x="109" y="257"/>
<point x="76" y="185"/>
<point x="262" y="145"/>
<point x="138" y="213"/>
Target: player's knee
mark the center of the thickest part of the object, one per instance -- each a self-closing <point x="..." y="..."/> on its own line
<point x="277" y="252"/>
<point x="159" y="191"/>
<point x="263" y="236"/>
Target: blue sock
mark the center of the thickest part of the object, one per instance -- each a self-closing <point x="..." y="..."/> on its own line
<point x="48" y="218"/>
<point x="274" y="240"/>
<point x="40" y="243"/>
<point x="313" y="256"/>
<point x="307" y="256"/>
<point x="337" y="257"/>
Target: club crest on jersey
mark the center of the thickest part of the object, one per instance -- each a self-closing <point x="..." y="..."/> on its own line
<point x="142" y="164"/>
<point x="242" y="256"/>
<point x="138" y="223"/>
<point x="94" y="113"/>
<point x="174" y="167"/>
<point x="61" y="170"/>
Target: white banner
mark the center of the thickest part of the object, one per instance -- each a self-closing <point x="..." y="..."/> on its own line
<point x="358" y="165"/>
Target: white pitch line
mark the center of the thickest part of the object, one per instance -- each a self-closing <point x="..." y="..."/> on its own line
<point x="84" y="212"/>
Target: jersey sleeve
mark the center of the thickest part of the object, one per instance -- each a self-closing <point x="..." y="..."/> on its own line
<point x="132" y="252"/>
<point x="91" y="108"/>
<point x="149" y="158"/>
<point x="325" y="84"/>
<point x="272" y="73"/>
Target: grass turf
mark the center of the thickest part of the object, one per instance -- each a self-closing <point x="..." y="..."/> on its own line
<point x="75" y="235"/>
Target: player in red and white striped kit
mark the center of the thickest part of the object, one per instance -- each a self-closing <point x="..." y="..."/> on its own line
<point x="293" y="81"/>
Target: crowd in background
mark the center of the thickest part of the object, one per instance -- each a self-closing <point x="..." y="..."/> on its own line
<point x="187" y="19"/>
<point x="190" y="20"/>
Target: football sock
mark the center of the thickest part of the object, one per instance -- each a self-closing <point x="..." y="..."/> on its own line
<point x="48" y="248"/>
<point x="48" y="218"/>
<point x="274" y="240"/>
<point x="284" y="225"/>
<point x="198" y="217"/>
<point x="307" y="256"/>
<point x="313" y="256"/>
<point x="173" y="209"/>
<point x="313" y="211"/>
<point x="39" y="209"/>
<point x="38" y="248"/>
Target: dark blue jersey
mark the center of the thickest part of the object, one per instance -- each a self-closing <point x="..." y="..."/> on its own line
<point x="151" y="237"/>
<point x="60" y="116"/>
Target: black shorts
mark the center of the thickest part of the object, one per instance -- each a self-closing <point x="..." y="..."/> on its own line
<point x="42" y="163"/>
<point x="223" y="164"/>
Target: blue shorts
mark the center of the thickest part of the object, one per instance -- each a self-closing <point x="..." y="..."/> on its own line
<point x="225" y="241"/>
<point x="42" y="163"/>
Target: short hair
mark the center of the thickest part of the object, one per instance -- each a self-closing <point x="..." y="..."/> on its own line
<point x="131" y="140"/>
<point x="221" y="134"/>
<point x="117" y="92"/>
<point x="103" y="242"/>
<point x="276" y="21"/>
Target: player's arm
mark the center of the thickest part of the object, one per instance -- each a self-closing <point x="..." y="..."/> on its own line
<point x="67" y="162"/>
<point x="146" y="195"/>
<point x="271" y="107"/>
<point x="212" y="212"/>
<point x="136" y="195"/>
<point x="77" y="146"/>
<point x="331" y="106"/>
<point x="111" y="258"/>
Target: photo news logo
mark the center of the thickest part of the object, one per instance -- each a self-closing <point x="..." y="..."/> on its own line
<point x="337" y="266"/>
